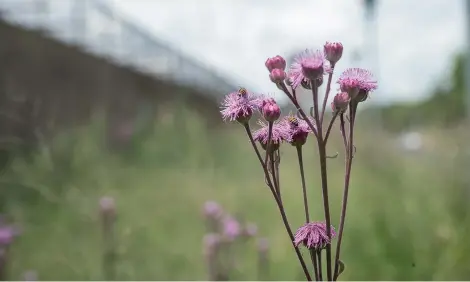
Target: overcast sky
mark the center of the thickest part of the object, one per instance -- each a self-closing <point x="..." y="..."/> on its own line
<point x="417" y="38"/>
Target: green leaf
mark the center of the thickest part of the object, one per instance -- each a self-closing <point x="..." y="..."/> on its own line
<point x="341" y="267"/>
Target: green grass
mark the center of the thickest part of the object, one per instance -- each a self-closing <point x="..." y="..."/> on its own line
<point x="407" y="218"/>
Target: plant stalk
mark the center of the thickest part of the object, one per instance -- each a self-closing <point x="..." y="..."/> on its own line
<point x="275" y="175"/>
<point x="304" y="188"/>
<point x="324" y="178"/>
<point x="279" y="203"/>
<point x="349" y="146"/>
<point x="327" y="93"/>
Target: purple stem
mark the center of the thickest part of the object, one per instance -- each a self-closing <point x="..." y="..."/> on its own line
<point x="278" y="175"/>
<point x="302" y="177"/>
<point x="275" y="175"/>
<point x="299" y="109"/>
<point x="268" y="145"/>
<point x="319" y="265"/>
<point x="349" y="156"/>
<point x="212" y="263"/>
<point x="313" y="256"/>
<point x="327" y="134"/>
<point x="327" y="93"/>
<point x="278" y="202"/>
<point x="263" y="265"/>
<point x="307" y="215"/>
<point x="324" y="178"/>
<point x="342" y="130"/>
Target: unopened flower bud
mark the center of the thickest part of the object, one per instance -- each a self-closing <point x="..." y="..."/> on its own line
<point x="340" y="102"/>
<point x="277" y="62"/>
<point x="270" y="110"/>
<point x="333" y="51"/>
<point x="277" y="76"/>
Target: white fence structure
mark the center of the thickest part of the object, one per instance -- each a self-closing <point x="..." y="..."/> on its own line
<point x="95" y="27"/>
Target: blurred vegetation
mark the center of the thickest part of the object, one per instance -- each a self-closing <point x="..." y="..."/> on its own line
<point x="444" y="107"/>
<point x="408" y="216"/>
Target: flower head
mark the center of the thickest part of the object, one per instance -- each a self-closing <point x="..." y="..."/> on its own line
<point x="239" y="106"/>
<point x="333" y="51"/>
<point x="355" y="80"/>
<point x="212" y="210"/>
<point x="313" y="235"/>
<point x="263" y="245"/>
<point x="107" y="206"/>
<point x="210" y="243"/>
<point x="231" y="228"/>
<point x="308" y="65"/>
<point x="340" y="102"/>
<point x="7" y="235"/>
<point x="250" y="230"/>
<point x="297" y="129"/>
<point x="276" y="62"/>
<point x="270" y="110"/>
<point x="279" y="134"/>
<point x="8" y="232"/>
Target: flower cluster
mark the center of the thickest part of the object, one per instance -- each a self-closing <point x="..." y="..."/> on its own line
<point x="226" y="225"/>
<point x="223" y="232"/>
<point x="307" y="71"/>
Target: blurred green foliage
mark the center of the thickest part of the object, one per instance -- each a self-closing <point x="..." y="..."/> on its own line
<point x="445" y="106"/>
<point x="408" y="216"/>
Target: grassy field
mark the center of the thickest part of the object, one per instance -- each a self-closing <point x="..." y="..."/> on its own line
<point x="408" y="217"/>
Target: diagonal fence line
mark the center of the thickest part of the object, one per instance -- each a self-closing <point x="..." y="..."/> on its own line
<point x="97" y="28"/>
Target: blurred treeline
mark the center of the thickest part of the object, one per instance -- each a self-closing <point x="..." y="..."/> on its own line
<point x="444" y="107"/>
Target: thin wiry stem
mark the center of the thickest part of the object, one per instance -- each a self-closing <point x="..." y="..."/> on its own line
<point x="349" y="157"/>
<point x="302" y="177"/>
<point x="299" y="109"/>
<point x="320" y="276"/>
<point x="343" y="131"/>
<point x="275" y="175"/>
<point x="332" y="121"/>
<point x="278" y="202"/>
<point x="313" y="257"/>
<point x="307" y="215"/>
<point x="276" y="166"/>
<point x="324" y="179"/>
<point x="327" y="93"/>
<point x="268" y="145"/>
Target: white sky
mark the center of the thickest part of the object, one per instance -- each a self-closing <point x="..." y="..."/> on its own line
<point x="417" y="38"/>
